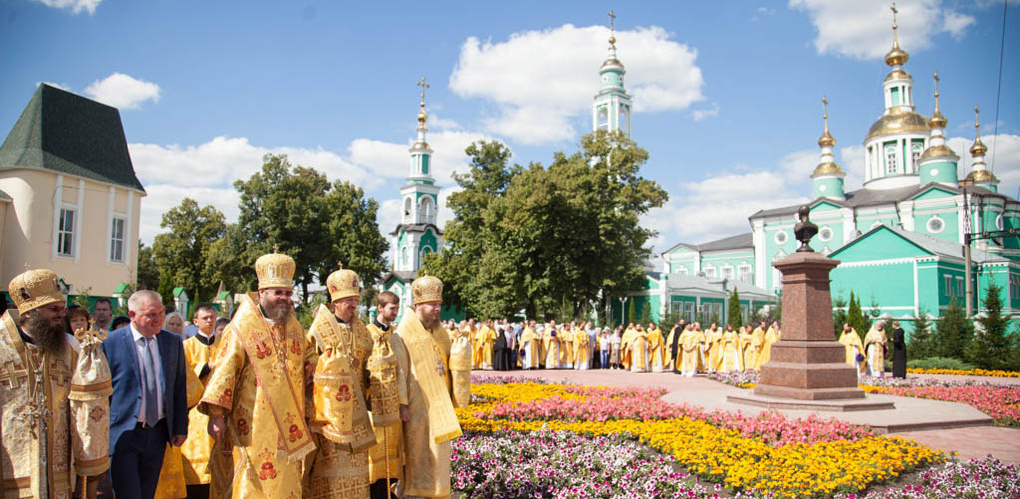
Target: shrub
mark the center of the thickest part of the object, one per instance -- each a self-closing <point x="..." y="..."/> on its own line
<point x="939" y="363"/>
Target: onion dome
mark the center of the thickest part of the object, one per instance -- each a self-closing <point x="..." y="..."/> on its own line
<point x="896" y="56"/>
<point x="827" y="163"/>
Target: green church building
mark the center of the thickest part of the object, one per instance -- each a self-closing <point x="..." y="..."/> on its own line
<point x="900" y="238"/>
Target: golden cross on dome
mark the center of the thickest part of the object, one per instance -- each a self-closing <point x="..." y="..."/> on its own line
<point x="276" y="248"/>
<point x="825" y="112"/>
<point x="612" y="21"/>
<point x="423" y="86"/>
<point x="894" y="12"/>
<point x="977" y="123"/>
<point x="936" y="76"/>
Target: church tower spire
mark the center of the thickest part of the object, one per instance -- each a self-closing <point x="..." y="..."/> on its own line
<point x="896" y="140"/>
<point x="612" y="108"/>
<point x="418" y="234"/>
<point x="827" y="179"/>
<point x="938" y="162"/>
<point x="979" y="174"/>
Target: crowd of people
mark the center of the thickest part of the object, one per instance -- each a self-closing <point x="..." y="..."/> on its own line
<point x="253" y="406"/>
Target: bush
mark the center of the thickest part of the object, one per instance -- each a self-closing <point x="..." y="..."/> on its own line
<point x="939" y="363"/>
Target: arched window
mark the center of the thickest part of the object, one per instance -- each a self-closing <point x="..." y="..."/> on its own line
<point x="603" y="119"/>
<point x="404" y="256"/>
<point x="890" y="159"/>
<point x="624" y="120"/>
<point x="407" y="207"/>
<point x="427" y="211"/>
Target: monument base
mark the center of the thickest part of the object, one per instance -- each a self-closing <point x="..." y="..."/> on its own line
<point x="819" y="405"/>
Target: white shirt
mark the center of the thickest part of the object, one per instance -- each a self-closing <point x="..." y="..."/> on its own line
<point x="157" y="366"/>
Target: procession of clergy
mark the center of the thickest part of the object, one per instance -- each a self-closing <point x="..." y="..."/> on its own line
<point x="687" y="349"/>
<point x="263" y="409"/>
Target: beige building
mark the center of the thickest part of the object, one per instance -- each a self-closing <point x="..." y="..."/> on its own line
<point x="69" y="197"/>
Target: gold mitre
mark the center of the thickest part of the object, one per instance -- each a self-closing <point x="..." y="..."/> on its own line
<point x="275" y="270"/>
<point x="427" y="289"/>
<point x="34" y="289"/>
<point x="343" y="283"/>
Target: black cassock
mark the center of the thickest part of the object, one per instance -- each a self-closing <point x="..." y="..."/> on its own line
<point x="500" y="357"/>
<point x="899" y="354"/>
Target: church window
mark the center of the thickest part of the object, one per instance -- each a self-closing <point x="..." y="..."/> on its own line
<point x="710" y="272"/>
<point x="426" y="209"/>
<point x="781" y="237"/>
<point x="404" y="257"/>
<point x="890" y="159"/>
<point x="727" y="272"/>
<point x="407" y="207"/>
<point x="998" y="222"/>
<point x="949" y="285"/>
<point x="117" y="240"/>
<point x="960" y="290"/>
<point x="936" y="225"/>
<point x="744" y="273"/>
<point x="65" y="232"/>
<point x="681" y="270"/>
<point x="603" y="118"/>
<point x="825" y="234"/>
<point x="895" y="96"/>
<point x="624" y="124"/>
<point x="425" y="165"/>
<point x="916" y="151"/>
<point x="689" y="311"/>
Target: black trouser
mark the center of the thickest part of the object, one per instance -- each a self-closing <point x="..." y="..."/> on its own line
<point x="137" y="459"/>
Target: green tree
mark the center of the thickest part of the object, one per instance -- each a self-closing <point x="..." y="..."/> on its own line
<point x="632" y="312"/>
<point x="180" y="252"/>
<point x="733" y="313"/>
<point x="147" y="276"/>
<point x="856" y="318"/>
<point x="922" y="342"/>
<point x="954" y="333"/>
<point x="646" y="311"/>
<point x="318" y="224"/>
<point x="991" y="346"/>
<point x="839" y="315"/>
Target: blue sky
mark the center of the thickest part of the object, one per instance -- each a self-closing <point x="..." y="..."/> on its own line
<point x="727" y="94"/>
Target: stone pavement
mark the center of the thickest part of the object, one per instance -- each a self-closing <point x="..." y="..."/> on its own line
<point x="949" y="426"/>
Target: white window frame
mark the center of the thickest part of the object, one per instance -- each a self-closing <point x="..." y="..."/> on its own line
<point x="935" y="218"/>
<point x="117" y="242"/>
<point x="744" y="273"/>
<point x="890" y="159"/>
<point x="66" y="237"/>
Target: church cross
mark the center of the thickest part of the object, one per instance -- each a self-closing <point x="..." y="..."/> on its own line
<point x="612" y="21"/>
<point x="423" y="86"/>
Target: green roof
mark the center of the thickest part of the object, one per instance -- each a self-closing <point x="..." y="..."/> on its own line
<point x="178" y="290"/>
<point x="67" y="133"/>
<point x="223" y="295"/>
<point x="121" y="288"/>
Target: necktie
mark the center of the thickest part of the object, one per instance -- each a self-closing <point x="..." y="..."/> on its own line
<point x="149" y="378"/>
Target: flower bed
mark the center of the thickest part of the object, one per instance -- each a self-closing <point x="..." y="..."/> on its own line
<point x="543" y="464"/>
<point x="768" y="454"/>
<point x="970" y="372"/>
<point x="986" y="478"/>
<point x="1002" y="403"/>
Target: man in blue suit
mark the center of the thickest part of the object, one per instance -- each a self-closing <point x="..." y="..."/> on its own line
<point x="148" y="407"/>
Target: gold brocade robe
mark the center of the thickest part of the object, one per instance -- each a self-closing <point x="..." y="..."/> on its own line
<point x="874" y="348"/>
<point x="340" y="470"/>
<point x="552" y="349"/>
<point x="771" y="337"/>
<point x="34" y="467"/>
<point x="460" y="369"/>
<point x="582" y="348"/>
<point x="433" y="423"/>
<point x="852" y="342"/>
<point x="259" y="428"/>
<point x="199" y="448"/>
<point x="386" y="457"/>
<point x="730" y="356"/>
<point x="639" y="352"/>
<point x="747" y="353"/>
<point x="656" y="349"/>
<point x="690" y="352"/>
<point x="757" y="346"/>
<point x="172" y="480"/>
<point x="531" y="344"/>
<point x="566" y="337"/>
<point x="713" y="337"/>
<point x="486" y="342"/>
<point x="668" y="349"/>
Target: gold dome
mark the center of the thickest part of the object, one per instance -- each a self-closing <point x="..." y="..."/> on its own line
<point x="937" y="152"/>
<point x="981" y="176"/>
<point x="898" y="74"/>
<point x="422" y="117"/>
<point x="826" y="140"/>
<point x="896" y="56"/>
<point x="978" y="149"/>
<point x="937" y="120"/>
<point x="898" y="122"/>
<point x="829" y="168"/>
<point x="612" y="61"/>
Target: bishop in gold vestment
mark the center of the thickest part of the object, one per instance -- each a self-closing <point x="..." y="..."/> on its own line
<point x="258" y="388"/>
<point x="44" y="437"/>
<point x="340" y="468"/>
<point x="433" y="423"/>
<point x="854" y="347"/>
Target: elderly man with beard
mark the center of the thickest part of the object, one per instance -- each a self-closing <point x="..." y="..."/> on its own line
<point x="40" y="361"/>
<point x="255" y="397"/>
<point x="433" y="423"/>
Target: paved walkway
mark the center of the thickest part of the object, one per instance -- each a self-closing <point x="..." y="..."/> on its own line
<point x="941" y="420"/>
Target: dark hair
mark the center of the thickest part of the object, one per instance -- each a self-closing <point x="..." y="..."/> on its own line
<point x="119" y="322"/>
<point x="204" y="306"/>
<point x="221" y="321"/>
<point x="102" y="300"/>
<point x="75" y="311"/>
<point x="385" y="298"/>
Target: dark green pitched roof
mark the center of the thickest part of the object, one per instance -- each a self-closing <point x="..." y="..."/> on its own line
<point x="67" y="133"/>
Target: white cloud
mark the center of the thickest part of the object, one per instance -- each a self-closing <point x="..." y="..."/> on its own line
<point x="1003" y="159"/>
<point x="122" y="91"/>
<point x="700" y="114"/>
<point x="76" y="6"/>
<point x="542" y="81"/>
<point x="861" y="29"/>
<point x="161" y="197"/>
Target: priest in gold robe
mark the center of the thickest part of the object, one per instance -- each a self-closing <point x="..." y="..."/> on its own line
<point x="340" y="467"/>
<point x="746" y="351"/>
<point x="758" y="345"/>
<point x="639" y="350"/>
<point x="433" y="422"/>
<point x="388" y="391"/>
<point x="258" y="387"/>
<point x="730" y="356"/>
<point x="531" y="343"/>
<point x="41" y="453"/>
<point x="486" y="344"/>
<point x="551" y="339"/>
<point x="581" y="348"/>
<point x="771" y="338"/>
<point x="851" y="340"/>
<point x="656" y="348"/>
<point x="874" y="349"/>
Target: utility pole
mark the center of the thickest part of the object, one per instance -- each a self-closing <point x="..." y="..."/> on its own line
<point x="970" y="236"/>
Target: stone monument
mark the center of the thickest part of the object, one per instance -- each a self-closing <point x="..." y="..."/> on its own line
<point x="808" y="368"/>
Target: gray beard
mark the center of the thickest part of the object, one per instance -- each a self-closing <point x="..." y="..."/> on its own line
<point x="49" y="338"/>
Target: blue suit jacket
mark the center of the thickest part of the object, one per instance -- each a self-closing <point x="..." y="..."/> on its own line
<point x="126" y="400"/>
